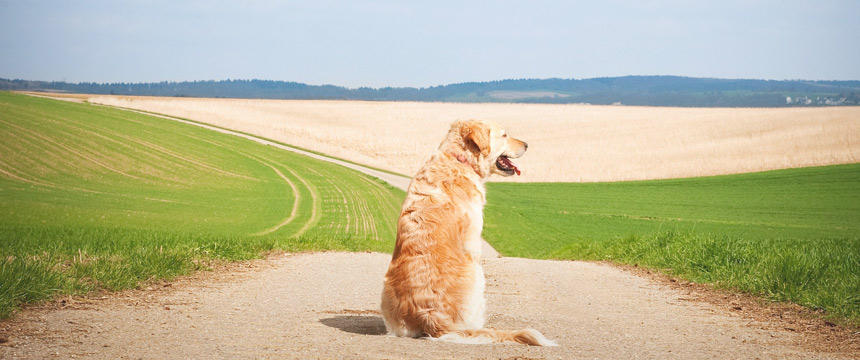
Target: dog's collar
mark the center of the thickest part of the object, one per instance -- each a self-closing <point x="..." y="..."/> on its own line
<point x="463" y="160"/>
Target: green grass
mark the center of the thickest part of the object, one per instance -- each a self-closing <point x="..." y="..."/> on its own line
<point x="788" y="235"/>
<point x="100" y="198"/>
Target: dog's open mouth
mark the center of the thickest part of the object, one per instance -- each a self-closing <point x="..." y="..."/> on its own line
<point x="505" y="164"/>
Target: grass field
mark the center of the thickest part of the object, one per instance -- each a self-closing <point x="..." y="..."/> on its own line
<point x="99" y="198"/>
<point x="787" y="234"/>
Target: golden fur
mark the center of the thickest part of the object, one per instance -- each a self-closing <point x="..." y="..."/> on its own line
<point x="435" y="283"/>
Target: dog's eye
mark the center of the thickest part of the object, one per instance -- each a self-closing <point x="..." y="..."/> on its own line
<point x="504" y="135"/>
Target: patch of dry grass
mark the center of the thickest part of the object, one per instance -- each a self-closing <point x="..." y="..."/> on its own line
<point x="566" y="142"/>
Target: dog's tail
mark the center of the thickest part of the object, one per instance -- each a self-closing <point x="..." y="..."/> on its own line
<point x="487" y="336"/>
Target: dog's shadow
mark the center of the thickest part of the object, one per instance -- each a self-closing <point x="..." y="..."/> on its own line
<point x="356" y="324"/>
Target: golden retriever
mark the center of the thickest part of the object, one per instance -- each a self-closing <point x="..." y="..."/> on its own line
<point x="435" y="283"/>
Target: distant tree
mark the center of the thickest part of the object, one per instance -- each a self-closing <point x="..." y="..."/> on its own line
<point x="629" y="90"/>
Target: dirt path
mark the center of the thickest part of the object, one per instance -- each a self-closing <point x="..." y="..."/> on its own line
<point x="324" y="305"/>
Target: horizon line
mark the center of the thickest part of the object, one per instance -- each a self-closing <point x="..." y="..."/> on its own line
<point x="418" y="87"/>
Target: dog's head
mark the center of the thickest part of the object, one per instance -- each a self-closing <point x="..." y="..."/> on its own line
<point x="485" y="146"/>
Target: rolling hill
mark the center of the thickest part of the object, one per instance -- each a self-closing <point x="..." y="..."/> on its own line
<point x="786" y="235"/>
<point x="99" y="198"/>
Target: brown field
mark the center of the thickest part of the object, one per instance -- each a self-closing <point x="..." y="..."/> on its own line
<point x="580" y="143"/>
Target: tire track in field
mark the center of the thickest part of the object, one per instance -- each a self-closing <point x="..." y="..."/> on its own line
<point x="8" y="172"/>
<point x="33" y="161"/>
<point x="73" y="151"/>
<point x="379" y="190"/>
<point x="162" y="149"/>
<point x="366" y="225"/>
<point x="192" y="161"/>
<point x="361" y="207"/>
<point x="296" y="199"/>
<point x="398" y="181"/>
<point x="348" y="207"/>
<point x="95" y="131"/>
<point x="153" y="158"/>
<point x="68" y="148"/>
<point x="10" y="175"/>
<point x="181" y="157"/>
<point x="348" y="210"/>
<point x="315" y="216"/>
<point x="48" y="158"/>
<point x="13" y="176"/>
<point x="376" y="190"/>
<point x="379" y="195"/>
<point x="361" y="220"/>
<point x="357" y="211"/>
<point x="367" y="218"/>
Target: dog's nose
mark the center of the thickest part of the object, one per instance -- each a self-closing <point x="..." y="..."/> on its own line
<point x="526" y="145"/>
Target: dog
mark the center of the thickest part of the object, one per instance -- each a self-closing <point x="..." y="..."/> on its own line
<point x="435" y="283"/>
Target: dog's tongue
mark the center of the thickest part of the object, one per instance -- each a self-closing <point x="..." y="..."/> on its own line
<point x="509" y="163"/>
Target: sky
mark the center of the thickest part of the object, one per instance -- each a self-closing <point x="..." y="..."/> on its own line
<point x="412" y="43"/>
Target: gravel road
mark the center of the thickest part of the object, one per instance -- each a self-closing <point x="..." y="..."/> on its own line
<point x="325" y="305"/>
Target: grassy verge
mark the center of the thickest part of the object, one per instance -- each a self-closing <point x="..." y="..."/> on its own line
<point x="100" y="198"/>
<point x="787" y="235"/>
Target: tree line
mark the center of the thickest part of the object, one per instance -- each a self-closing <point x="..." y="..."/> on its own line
<point x="626" y="90"/>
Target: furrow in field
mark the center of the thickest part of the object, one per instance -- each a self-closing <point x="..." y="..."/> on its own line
<point x="166" y="151"/>
<point x="367" y="215"/>
<point x="372" y="222"/>
<point x="361" y="208"/>
<point x="148" y="157"/>
<point x="65" y="187"/>
<point x="342" y="203"/>
<point x="19" y="157"/>
<point x="187" y="159"/>
<point x="380" y="190"/>
<point x="13" y="176"/>
<point x="35" y="154"/>
<point x="379" y="196"/>
<point x="22" y="151"/>
<point x="49" y="158"/>
<point x="191" y="161"/>
<point x="73" y="151"/>
<point x="348" y="207"/>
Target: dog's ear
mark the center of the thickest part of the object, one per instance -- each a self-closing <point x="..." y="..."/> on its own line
<point x="476" y="136"/>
